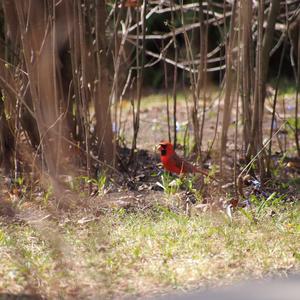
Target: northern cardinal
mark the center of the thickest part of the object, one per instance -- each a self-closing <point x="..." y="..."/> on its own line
<point x="173" y="163"/>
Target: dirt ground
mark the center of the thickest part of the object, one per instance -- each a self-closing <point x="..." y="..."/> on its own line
<point x="136" y="185"/>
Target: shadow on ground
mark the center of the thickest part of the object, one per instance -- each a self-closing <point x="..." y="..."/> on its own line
<point x="6" y="296"/>
<point x="267" y="289"/>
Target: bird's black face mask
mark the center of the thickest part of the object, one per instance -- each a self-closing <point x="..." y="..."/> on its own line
<point x="163" y="150"/>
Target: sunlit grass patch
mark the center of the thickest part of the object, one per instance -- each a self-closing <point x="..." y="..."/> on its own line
<point x="26" y="260"/>
<point x="175" y="249"/>
<point x="123" y="253"/>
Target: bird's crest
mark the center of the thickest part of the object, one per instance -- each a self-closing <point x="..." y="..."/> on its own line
<point x="164" y="146"/>
<point x="164" y="143"/>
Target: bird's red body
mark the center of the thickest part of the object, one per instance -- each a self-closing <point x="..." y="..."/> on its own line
<point x="173" y="163"/>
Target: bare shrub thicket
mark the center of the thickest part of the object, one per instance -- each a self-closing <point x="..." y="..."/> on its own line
<point x="65" y="65"/>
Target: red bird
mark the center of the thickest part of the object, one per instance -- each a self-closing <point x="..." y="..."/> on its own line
<point x="173" y="163"/>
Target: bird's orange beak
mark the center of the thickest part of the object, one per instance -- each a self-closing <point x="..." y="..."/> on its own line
<point x="158" y="147"/>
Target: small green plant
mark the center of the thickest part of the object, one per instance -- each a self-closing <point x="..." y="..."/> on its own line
<point x="20" y="181"/>
<point x="99" y="182"/>
<point x="272" y="200"/>
<point x="20" y="184"/>
<point x="172" y="185"/>
<point x="262" y="206"/>
<point x="47" y="195"/>
<point x="80" y="183"/>
<point x="169" y="184"/>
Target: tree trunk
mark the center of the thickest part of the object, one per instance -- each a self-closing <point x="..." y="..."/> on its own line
<point x="40" y="41"/>
<point x="102" y="92"/>
<point x="265" y="42"/>
<point x="6" y="141"/>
